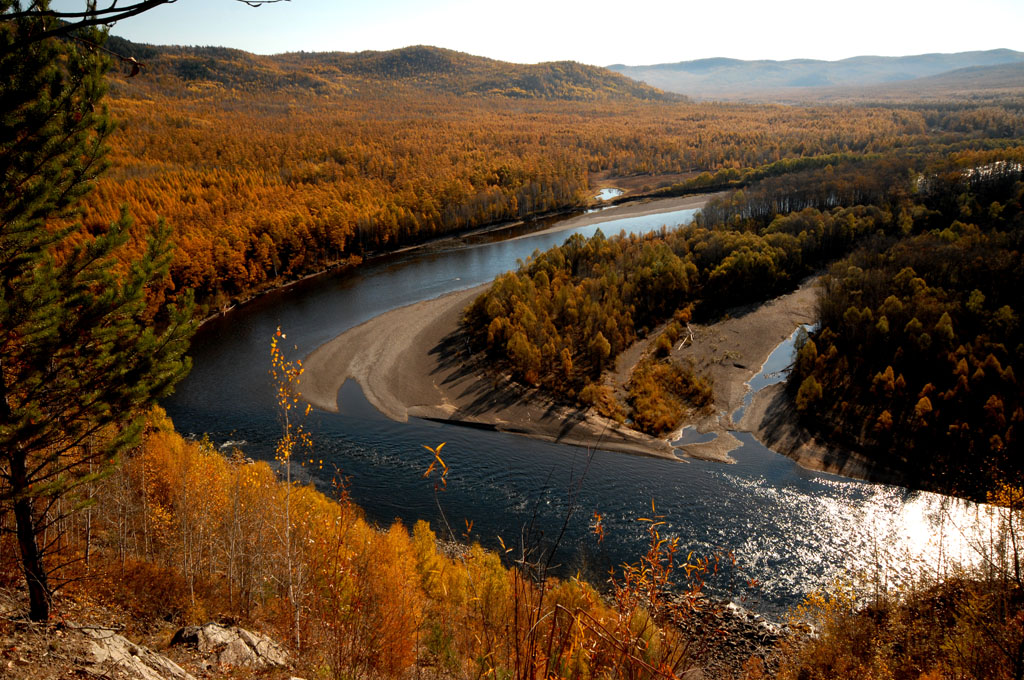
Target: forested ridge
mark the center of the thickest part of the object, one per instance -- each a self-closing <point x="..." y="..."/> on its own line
<point x="265" y="179"/>
<point x="920" y="338"/>
<point x="421" y="67"/>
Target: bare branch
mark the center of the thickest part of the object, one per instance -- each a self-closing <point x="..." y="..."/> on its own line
<point x="94" y="16"/>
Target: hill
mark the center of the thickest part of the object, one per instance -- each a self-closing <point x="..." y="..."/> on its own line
<point x="428" y="68"/>
<point x="721" y="78"/>
<point x="973" y="81"/>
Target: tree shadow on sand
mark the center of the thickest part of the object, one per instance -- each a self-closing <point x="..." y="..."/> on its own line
<point x="480" y="391"/>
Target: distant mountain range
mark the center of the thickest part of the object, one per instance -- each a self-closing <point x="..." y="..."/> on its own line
<point x="426" y="68"/>
<point x="809" y="78"/>
<point x="445" y="71"/>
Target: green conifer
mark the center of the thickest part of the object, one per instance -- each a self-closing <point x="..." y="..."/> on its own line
<point x="82" y="353"/>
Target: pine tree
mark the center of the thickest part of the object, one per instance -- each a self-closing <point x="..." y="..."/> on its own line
<point x="83" y="355"/>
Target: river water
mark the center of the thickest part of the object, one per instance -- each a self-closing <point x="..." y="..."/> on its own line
<point x="790" y="529"/>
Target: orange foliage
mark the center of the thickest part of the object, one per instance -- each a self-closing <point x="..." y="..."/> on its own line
<point x="263" y="185"/>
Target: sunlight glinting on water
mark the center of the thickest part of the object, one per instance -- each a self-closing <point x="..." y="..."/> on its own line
<point x="888" y="535"/>
<point x="874" y="533"/>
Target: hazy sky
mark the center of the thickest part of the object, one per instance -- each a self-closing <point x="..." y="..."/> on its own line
<point x="595" y="32"/>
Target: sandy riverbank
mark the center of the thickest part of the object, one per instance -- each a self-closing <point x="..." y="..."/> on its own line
<point x="732" y="351"/>
<point x="412" y="361"/>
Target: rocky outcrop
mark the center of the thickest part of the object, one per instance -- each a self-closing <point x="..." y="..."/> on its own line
<point x="112" y="655"/>
<point x="232" y="646"/>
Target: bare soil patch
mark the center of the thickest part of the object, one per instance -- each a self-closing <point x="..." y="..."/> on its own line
<point x="638" y="184"/>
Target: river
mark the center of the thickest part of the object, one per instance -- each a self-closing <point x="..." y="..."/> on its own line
<point x="790" y="529"/>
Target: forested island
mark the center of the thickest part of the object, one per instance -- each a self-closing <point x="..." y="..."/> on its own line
<point x="231" y="174"/>
<point x="928" y="244"/>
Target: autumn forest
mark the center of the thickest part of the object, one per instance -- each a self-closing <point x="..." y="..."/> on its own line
<point x="220" y="175"/>
<point x="266" y="181"/>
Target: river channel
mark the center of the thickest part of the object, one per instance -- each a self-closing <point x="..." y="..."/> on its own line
<point x="790" y="529"/>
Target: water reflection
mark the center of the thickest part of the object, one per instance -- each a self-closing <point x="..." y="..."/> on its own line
<point x="774" y="370"/>
<point x="606" y="194"/>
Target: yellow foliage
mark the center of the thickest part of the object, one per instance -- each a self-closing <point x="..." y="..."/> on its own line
<point x="204" y="534"/>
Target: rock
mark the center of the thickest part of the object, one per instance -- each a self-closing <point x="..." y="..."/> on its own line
<point x="111" y="651"/>
<point x="233" y="646"/>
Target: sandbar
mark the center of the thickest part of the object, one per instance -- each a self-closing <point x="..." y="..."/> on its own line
<point x="412" y="361"/>
<point x="649" y="206"/>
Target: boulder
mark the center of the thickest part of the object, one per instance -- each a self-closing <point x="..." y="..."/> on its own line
<point x="233" y="646"/>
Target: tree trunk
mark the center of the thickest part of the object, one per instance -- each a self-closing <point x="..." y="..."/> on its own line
<point x="31" y="557"/>
<point x="32" y="561"/>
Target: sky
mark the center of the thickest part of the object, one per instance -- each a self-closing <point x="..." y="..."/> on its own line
<point x="599" y="32"/>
